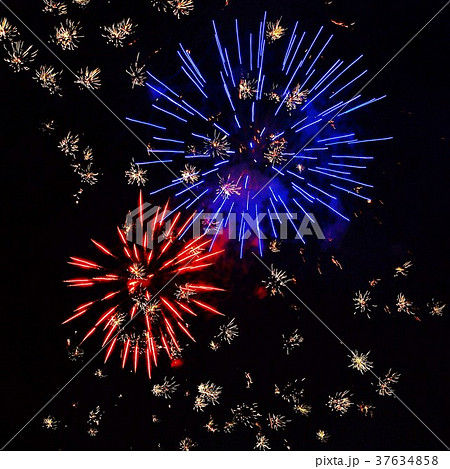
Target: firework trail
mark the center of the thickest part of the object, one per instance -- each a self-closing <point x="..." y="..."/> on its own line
<point x="141" y="307"/>
<point x="243" y="131"/>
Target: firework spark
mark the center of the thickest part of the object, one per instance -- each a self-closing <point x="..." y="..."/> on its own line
<point x="166" y="389"/>
<point x="436" y="307"/>
<point x="118" y="32"/>
<point x="340" y="402"/>
<point x="89" y="79"/>
<point x="360" y="362"/>
<point x="228" y="332"/>
<point x="20" y="56"/>
<point x="262" y="442"/>
<point x="292" y="341"/>
<point x="277" y="421"/>
<point x="385" y="384"/>
<point x="322" y="435"/>
<point x="277" y="280"/>
<point x="48" y="78"/>
<point x="181" y="7"/>
<point x="7" y="30"/>
<point x="363" y="303"/>
<point x="57" y="8"/>
<point x="275" y="31"/>
<point x="189" y="174"/>
<point x="403" y="269"/>
<point x="67" y="35"/>
<point x="246" y="415"/>
<point x="404" y="305"/>
<point x="136" y="278"/>
<point x="50" y="423"/>
<point x="186" y="444"/>
<point x="136" y="175"/>
<point x="137" y="73"/>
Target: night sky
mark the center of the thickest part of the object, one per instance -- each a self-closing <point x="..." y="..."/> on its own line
<point x="43" y="227"/>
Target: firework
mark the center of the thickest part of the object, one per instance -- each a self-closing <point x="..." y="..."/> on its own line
<point x="94" y="417"/>
<point x="166" y="389"/>
<point x="48" y="126"/>
<point x="210" y="392"/>
<point x="277" y="422"/>
<point x="246" y="415"/>
<point x="340" y="402"/>
<point x="274" y="31"/>
<point x="99" y="373"/>
<point x="247" y="88"/>
<point x="186" y="444"/>
<point x="292" y="341"/>
<point x="275" y="245"/>
<point x="403" y="305"/>
<point x="75" y="353"/>
<point x="189" y="174"/>
<point x="50" y="423"/>
<point x="92" y="431"/>
<point x="67" y="34"/>
<point x="87" y="175"/>
<point x="48" y="78"/>
<point x="228" y="332"/>
<point x="302" y="409"/>
<point x="144" y="317"/>
<point x="81" y="3"/>
<point x="403" y="269"/>
<point x="436" y="307"/>
<point x="262" y="442"/>
<point x="363" y="303"/>
<point x="161" y="5"/>
<point x="137" y="73"/>
<point x="292" y="392"/>
<point x="69" y="144"/>
<point x="89" y="79"/>
<point x="257" y="126"/>
<point x="181" y="7"/>
<point x="7" y="30"/>
<point x="360" y="362"/>
<point x="385" y="384"/>
<point x="118" y="32"/>
<point x="211" y="426"/>
<point x="228" y="187"/>
<point x="20" y="56"/>
<point x="277" y="280"/>
<point x="136" y="175"/>
<point x="322" y="435"/>
<point x="366" y="409"/>
<point x="57" y="8"/>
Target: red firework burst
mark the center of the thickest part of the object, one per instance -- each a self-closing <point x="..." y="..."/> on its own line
<point x="153" y="289"/>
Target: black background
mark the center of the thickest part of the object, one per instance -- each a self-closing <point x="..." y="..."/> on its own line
<point x="42" y="227"/>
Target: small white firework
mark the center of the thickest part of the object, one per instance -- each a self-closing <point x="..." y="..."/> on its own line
<point x="322" y="435"/>
<point x="69" y="144"/>
<point x="137" y="73"/>
<point x="277" y="421"/>
<point x="277" y="280"/>
<point x="274" y="153"/>
<point x="181" y="7"/>
<point x="340" y="402"/>
<point x="136" y="175"/>
<point x="20" y="56"/>
<point x="363" y="303"/>
<point x="7" y="30"/>
<point x="57" y="8"/>
<point x="403" y="305"/>
<point x="292" y="341"/>
<point x="217" y="146"/>
<point x="118" y="32"/>
<point x="89" y="79"/>
<point x="247" y="88"/>
<point x="360" y="362"/>
<point x="166" y="389"/>
<point x="67" y="35"/>
<point x="246" y="415"/>
<point x="186" y="444"/>
<point x="190" y="174"/>
<point x="303" y="409"/>
<point x="184" y="292"/>
<point x="50" y="423"/>
<point x="262" y="442"/>
<point x="403" y="269"/>
<point x="48" y="78"/>
<point x="228" y="187"/>
<point x="228" y="332"/>
<point x="275" y="31"/>
<point x="385" y="384"/>
<point x="436" y="307"/>
<point x="87" y="175"/>
<point x="81" y="3"/>
<point x="95" y="416"/>
<point x="210" y="392"/>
